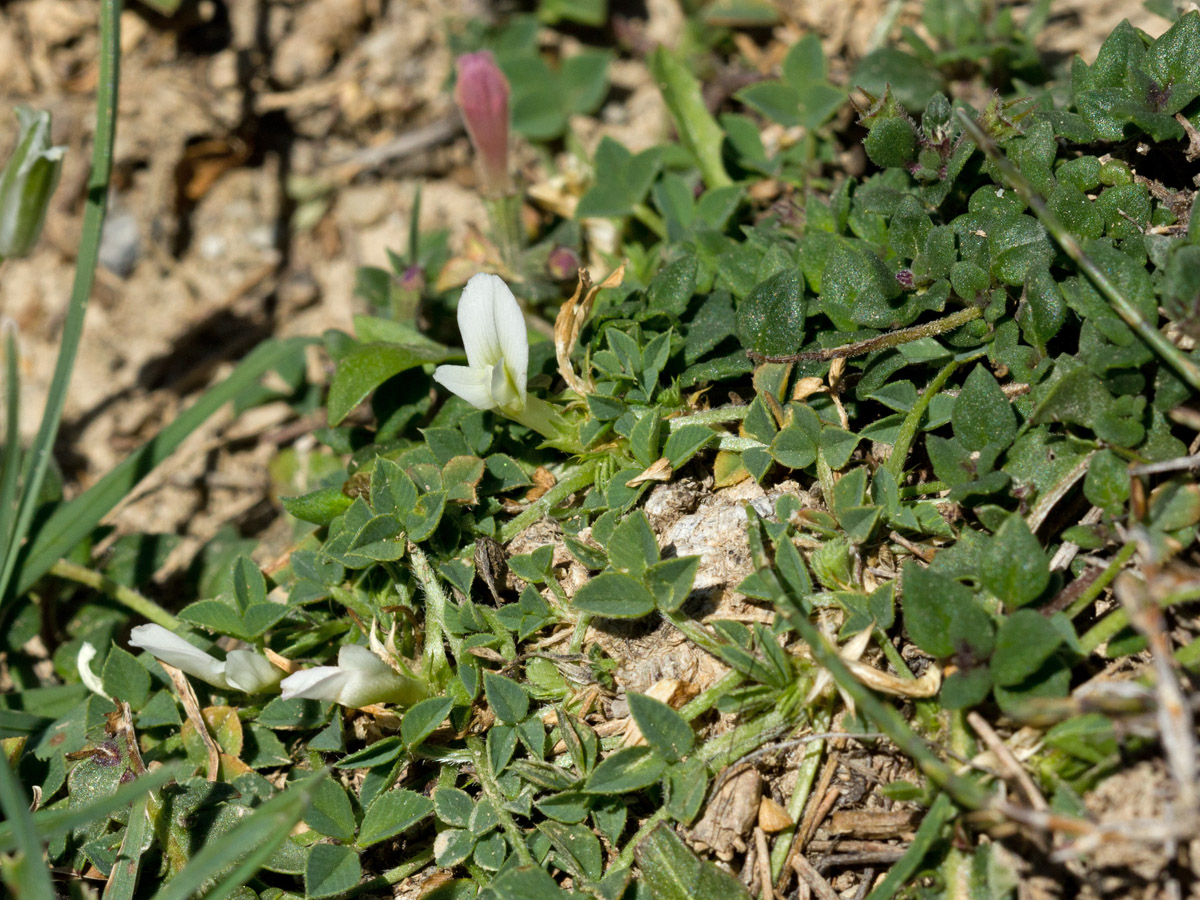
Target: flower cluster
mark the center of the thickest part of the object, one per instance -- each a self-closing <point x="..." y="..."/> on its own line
<point x="359" y="679"/>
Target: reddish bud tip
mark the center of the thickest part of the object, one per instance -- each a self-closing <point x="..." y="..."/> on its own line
<point x="482" y="95"/>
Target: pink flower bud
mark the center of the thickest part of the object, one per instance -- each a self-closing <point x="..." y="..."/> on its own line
<point x="563" y="263"/>
<point x="413" y="279"/>
<point x="482" y="95"/>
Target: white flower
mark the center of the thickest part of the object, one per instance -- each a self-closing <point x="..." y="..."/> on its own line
<point x="497" y="345"/>
<point x="83" y="662"/>
<point x="242" y="670"/>
<point x="359" y="679"/>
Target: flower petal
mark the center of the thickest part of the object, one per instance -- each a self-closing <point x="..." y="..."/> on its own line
<point x="250" y="672"/>
<point x="513" y="338"/>
<point x="356" y="658"/>
<point x="83" y="662"/>
<point x="477" y="318"/>
<point x="321" y="683"/>
<point x="470" y="384"/>
<point x="175" y="651"/>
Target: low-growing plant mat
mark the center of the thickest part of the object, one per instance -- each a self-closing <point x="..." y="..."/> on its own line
<point x="835" y="537"/>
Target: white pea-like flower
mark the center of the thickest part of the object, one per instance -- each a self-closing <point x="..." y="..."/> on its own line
<point x="242" y="670"/>
<point x="497" y="344"/>
<point x="359" y="679"/>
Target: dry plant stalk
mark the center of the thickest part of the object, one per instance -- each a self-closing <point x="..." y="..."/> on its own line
<point x="569" y="323"/>
<point x="192" y="707"/>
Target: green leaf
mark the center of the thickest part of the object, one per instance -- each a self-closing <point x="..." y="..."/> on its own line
<point x="507" y="699"/>
<point x="670" y="581"/>
<point x="526" y="884"/>
<point x="667" y="732"/>
<point x="379" y="753"/>
<point x="633" y="546"/>
<point x="331" y="869"/>
<point x="245" y="847"/>
<point x="125" y="678"/>
<point x="686" y="442"/>
<point x="673" y="872"/>
<point x="622" y="180"/>
<point x="982" y="414"/>
<point x="320" y="507"/>
<point x="32" y="877"/>
<point x="770" y="319"/>
<point x="392" y="813"/>
<point x="697" y="129"/>
<point x="1014" y="567"/>
<point x="614" y="595"/>
<point x="370" y="365"/>
<point x="941" y="616"/>
<point x="794" y="448"/>
<point x="453" y="806"/>
<point x="627" y="769"/>
<point x="1106" y="483"/>
<point x="423" y="718"/>
<point x="673" y="287"/>
<point x="71" y="522"/>
<point x="331" y="813"/>
<point x="1025" y="640"/>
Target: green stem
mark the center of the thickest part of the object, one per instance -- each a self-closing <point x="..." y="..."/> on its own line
<point x="650" y="219"/>
<point x="437" y="669"/>
<point x="505" y="215"/>
<point x="964" y="791"/>
<point x="919" y="490"/>
<point x="1123" y="306"/>
<point x="577" y="480"/>
<point x="927" y="835"/>
<point x="1093" y="590"/>
<point x="806" y="774"/>
<point x="95" y="208"/>
<point x="487" y="781"/>
<point x="719" y="416"/>
<point x="912" y="421"/>
<point x="127" y="597"/>
<point x="880" y="342"/>
<point x="1119" y="618"/>
<point x="392" y="876"/>
<point x="625" y="859"/>
<point x="706" y="699"/>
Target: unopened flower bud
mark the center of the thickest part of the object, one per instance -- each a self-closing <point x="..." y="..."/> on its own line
<point x="27" y="183"/>
<point x="563" y="263"/>
<point x="413" y="279"/>
<point x="482" y="95"/>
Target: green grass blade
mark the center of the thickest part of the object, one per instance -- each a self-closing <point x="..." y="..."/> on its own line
<point x="72" y="522"/>
<point x="250" y="844"/>
<point x="10" y="461"/>
<point x="27" y="875"/>
<point x="54" y="822"/>
<point x="124" y="878"/>
<point x="85" y="275"/>
<point x="905" y="867"/>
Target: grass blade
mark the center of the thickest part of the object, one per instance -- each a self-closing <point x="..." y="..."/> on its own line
<point x="905" y="867"/>
<point x="72" y="522"/>
<point x="251" y="843"/>
<point x="85" y="275"/>
<point x="10" y="461"/>
<point x="122" y="881"/>
<point x="28" y="875"/>
<point x="54" y="822"/>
